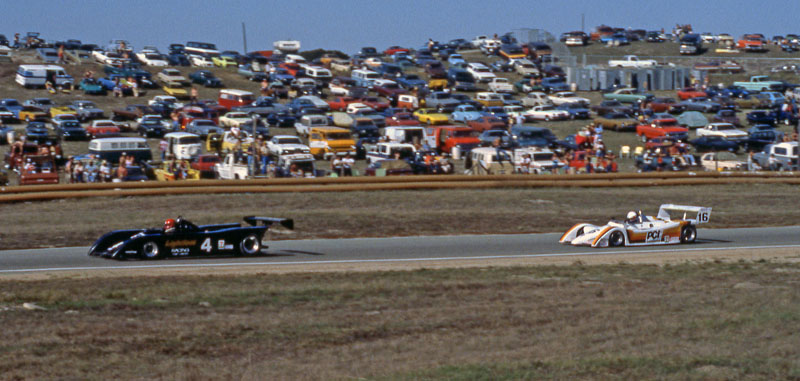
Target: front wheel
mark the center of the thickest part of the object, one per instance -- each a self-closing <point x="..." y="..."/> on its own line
<point x="150" y="250"/>
<point x="616" y="239"/>
<point x="688" y="234"/>
<point x="250" y="245"/>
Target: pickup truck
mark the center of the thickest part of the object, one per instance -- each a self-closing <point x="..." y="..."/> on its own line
<point x="785" y="157"/>
<point x="501" y="85"/>
<point x="627" y="95"/>
<point x="441" y="100"/>
<point x="662" y="127"/>
<point x="230" y="169"/>
<point x="86" y="110"/>
<point x="759" y="83"/>
<point x="445" y="139"/>
<point x="307" y="122"/>
<point x="132" y="112"/>
<point x="386" y="151"/>
<point x="632" y="61"/>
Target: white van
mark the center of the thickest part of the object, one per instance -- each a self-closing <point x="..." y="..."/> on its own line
<point x="320" y="74"/>
<point x="111" y="149"/>
<point x="37" y="75"/>
<point x="364" y="78"/>
<point x="183" y="145"/>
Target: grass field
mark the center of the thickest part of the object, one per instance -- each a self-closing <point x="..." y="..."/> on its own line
<point x="78" y="222"/>
<point x="688" y="321"/>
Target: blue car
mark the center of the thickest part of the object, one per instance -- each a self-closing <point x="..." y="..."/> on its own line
<point x="410" y="81"/>
<point x="12" y="105"/>
<point x="178" y="59"/>
<point x="465" y="113"/>
<point x="71" y="130"/>
<point x="713" y="143"/>
<point x="762" y="117"/>
<point x="497" y="112"/>
<point x="575" y="110"/>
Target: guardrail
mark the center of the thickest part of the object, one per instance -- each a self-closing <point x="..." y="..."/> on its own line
<point x="349" y="184"/>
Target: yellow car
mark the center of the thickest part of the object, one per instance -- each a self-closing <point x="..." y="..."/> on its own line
<point x="168" y="169"/>
<point x="176" y="90"/>
<point x="224" y="61"/>
<point x="431" y="116"/>
<point x="63" y="110"/>
<point x="29" y="113"/>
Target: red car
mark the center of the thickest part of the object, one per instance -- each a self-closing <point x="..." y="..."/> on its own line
<point x="690" y="92"/>
<point x="395" y="49"/>
<point x="340" y="103"/>
<point x="662" y="127"/>
<point x="486" y="123"/>
<point x="375" y="103"/>
<point x="402" y="119"/>
<point x="205" y="164"/>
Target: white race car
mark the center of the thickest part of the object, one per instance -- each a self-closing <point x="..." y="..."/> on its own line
<point x="673" y="224"/>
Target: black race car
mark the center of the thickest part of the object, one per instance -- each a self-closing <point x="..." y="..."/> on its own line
<point x="181" y="238"/>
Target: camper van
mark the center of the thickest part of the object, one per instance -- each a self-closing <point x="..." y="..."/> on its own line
<point x="320" y="74"/>
<point x="111" y="149"/>
<point x="38" y="75"/>
<point x="183" y="145"/>
<point x="230" y="98"/>
<point x="364" y="78"/>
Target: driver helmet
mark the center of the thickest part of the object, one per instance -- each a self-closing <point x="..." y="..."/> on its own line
<point x="169" y="224"/>
<point x="631" y="215"/>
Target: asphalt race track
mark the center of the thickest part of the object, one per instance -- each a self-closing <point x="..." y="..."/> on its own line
<point x="398" y="249"/>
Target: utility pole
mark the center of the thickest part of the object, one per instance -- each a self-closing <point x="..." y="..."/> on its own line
<point x="244" y="38"/>
<point x="583" y="19"/>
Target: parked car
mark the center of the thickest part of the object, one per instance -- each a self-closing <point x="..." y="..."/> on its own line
<point x="205" y="78"/>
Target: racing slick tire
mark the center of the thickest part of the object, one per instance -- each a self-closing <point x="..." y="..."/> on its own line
<point x="688" y="234"/>
<point x="150" y="250"/>
<point x="250" y="245"/>
<point x="616" y="239"/>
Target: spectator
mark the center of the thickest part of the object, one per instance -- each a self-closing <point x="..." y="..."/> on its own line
<point x="265" y="160"/>
<point x="91" y="171"/>
<point x="193" y="95"/>
<point x="105" y="171"/>
<point x="61" y="54"/>
<point x="525" y="167"/>
<point x="117" y="88"/>
<point x="347" y="165"/>
<point x="121" y="172"/>
<point x="134" y="86"/>
<point x="77" y="172"/>
<point x="163" y="145"/>
<point x="336" y="165"/>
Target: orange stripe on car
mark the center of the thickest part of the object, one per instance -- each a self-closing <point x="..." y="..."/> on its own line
<point x="599" y="236"/>
<point x="568" y="231"/>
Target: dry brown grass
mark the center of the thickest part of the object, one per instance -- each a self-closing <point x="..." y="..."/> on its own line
<point x="381" y="214"/>
<point x="712" y="321"/>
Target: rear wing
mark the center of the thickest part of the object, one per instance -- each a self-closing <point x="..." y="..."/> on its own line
<point x="285" y="222"/>
<point x="694" y="214"/>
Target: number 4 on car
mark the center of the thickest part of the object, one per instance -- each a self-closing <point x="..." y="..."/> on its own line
<point x="673" y="224"/>
<point x="181" y="238"/>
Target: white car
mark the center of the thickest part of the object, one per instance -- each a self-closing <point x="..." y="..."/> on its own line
<point x="673" y="224"/>
<point x="171" y="75"/>
<point x="525" y="67"/>
<point x="536" y="98"/>
<point x="151" y="59"/>
<point x="513" y="110"/>
<point x="563" y="97"/>
<point x="200" y="61"/>
<point x="165" y="99"/>
<point x="723" y="130"/>
<point x="234" y="119"/>
<point x="286" y="144"/>
<point x="480" y="72"/>
<point x="501" y="85"/>
<point x="546" y="113"/>
<point x="721" y="161"/>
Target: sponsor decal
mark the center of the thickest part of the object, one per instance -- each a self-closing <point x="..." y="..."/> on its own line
<point x="653" y="235"/>
<point x="177" y="251"/>
<point x="178" y="243"/>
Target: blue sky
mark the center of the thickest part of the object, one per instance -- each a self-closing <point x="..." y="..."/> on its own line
<point x="348" y="25"/>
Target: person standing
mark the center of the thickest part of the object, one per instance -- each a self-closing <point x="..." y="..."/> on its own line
<point x="134" y="86"/>
<point x="347" y="165"/>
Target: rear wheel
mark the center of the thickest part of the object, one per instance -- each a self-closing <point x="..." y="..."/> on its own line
<point x="688" y="234"/>
<point x="616" y="239"/>
<point x="150" y="250"/>
<point x="250" y="245"/>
